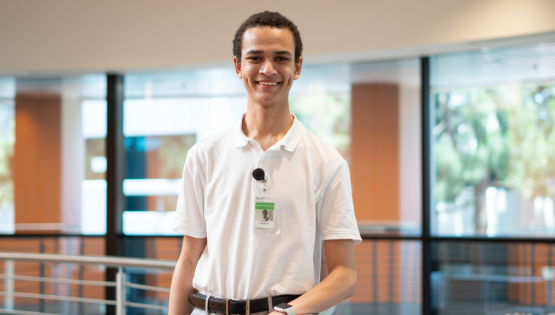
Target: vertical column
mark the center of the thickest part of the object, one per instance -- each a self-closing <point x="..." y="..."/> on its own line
<point x="37" y="163"/>
<point x="375" y="152"/>
<point x="549" y="278"/>
<point x="120" y="293"/>
<point x="9" y="284"/>
<point x="426" y="186"/>
<point x="115" y="172"/>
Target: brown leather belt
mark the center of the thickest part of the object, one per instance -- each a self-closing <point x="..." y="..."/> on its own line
<point x="228" y="306"/>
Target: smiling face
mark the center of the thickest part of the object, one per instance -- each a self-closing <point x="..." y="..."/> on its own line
<point x="267" y="65"/>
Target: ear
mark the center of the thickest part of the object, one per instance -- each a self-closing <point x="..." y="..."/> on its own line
<point x="298" y="68"/>
<point x="237" y="65"/>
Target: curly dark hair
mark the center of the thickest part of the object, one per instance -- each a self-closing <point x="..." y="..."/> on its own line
<point x="271" y="19"/>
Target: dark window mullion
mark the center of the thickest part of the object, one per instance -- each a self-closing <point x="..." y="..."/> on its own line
<point x="426" y="188"/>
<point x="115" y="172"/>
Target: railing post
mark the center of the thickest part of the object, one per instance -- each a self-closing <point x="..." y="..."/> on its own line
<point x="120" y="292"/>
<point x="9" y="284"/>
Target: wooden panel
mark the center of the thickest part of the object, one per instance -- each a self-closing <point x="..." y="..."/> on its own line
<point x="37" y="175"/>
<point x="375" y="151"/>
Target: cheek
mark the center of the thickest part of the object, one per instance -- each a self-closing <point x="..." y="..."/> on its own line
<point x="249" y="75"/>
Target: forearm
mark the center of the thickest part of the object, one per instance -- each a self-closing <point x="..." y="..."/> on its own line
<point x="181" y="288"/>
<point x="182" y="280"/>
<point x="337" y="286"/>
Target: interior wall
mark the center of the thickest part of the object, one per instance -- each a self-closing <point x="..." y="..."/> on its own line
<point x="103" y="35"/>
<point x="37" y="163"/>
<point x="375" y="152"/>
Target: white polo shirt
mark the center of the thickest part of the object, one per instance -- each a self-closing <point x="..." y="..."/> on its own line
<point x="312" y="188"/>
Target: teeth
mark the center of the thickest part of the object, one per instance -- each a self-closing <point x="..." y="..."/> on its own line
<point x="268" y="83"/>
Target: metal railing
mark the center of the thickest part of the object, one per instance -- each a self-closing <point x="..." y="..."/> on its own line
<point x="120" y="284"/>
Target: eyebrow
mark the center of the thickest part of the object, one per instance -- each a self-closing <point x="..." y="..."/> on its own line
<point x="282" y="52"/>
<point x="257" y="52"/>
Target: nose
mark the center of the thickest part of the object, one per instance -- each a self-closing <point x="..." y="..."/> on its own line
<point x="268" y="69"/>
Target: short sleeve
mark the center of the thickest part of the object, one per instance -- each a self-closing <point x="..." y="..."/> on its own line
<point x="189" y="214"/>
<point x="336" y="215"/>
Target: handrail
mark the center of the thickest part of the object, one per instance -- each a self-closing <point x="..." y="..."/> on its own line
<point x="146" y="287"/>
<point x="56" y="280"/>
<point x="18" y="312"/>
<point x="58" y="297"/>
<point x="141" y="305"/>
<point x="121" y="263"/>
<point x="93" y="260"/>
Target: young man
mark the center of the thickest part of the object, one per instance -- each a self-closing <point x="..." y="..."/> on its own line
<point x="269" y="159"/>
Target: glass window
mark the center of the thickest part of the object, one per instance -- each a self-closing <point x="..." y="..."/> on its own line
<point x="385" y="146"/>
<point x="492" y="137"/>
<point x="492" y="278"/>
<point x="52" y="159"/>
<point x="93" y="186"/>
<point x="388" y="279"/>
<point x="7" y="143"/>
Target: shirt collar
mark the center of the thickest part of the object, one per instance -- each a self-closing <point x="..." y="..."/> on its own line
<point x="240" y="139"/>
<point x="289" y="141"/>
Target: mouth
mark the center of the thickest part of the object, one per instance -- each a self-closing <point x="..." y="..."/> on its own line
<point x="267" y="83"/>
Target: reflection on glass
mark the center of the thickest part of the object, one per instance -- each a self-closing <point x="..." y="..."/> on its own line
<point x="493" y="135"/>
<point x="494" y="278"/>
<point x="327" y="116"/>
<point x="388" y="279"/>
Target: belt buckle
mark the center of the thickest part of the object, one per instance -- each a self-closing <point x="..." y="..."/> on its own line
<point x="227" y="306"/>
<point x="248" y="307"/>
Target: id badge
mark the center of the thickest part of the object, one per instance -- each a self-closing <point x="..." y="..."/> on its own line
<point x="266" y="215"/>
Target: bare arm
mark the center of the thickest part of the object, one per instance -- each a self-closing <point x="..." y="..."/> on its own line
<point x="337" y="286"/>
<point x="182" y="281"/>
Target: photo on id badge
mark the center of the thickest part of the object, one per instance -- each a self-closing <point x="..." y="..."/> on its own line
<point x="264" y="215"/>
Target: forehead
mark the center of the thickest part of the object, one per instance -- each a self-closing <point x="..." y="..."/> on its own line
<point x="268" y="38"/>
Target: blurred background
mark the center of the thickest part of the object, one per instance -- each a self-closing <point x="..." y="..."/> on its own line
<point x="444" y="110"/>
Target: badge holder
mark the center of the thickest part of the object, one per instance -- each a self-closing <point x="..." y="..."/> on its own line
<point x="266" y="214"/>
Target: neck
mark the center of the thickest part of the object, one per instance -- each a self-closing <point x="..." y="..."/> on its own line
<point x="267" y="124"/>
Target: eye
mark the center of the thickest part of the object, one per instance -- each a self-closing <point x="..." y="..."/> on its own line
<point x="282" y="58"/>
<point x="254" y="58"/>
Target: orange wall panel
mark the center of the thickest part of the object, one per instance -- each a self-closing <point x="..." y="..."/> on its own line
<point x="37" y="175"/>
<point x="375" y="151"/>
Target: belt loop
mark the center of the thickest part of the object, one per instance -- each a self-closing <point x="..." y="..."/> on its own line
<point x="226" y="306"/>
<point x="206" y="304"/>
<point x="270" y="305"/>
<point x="248" y="308"/>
